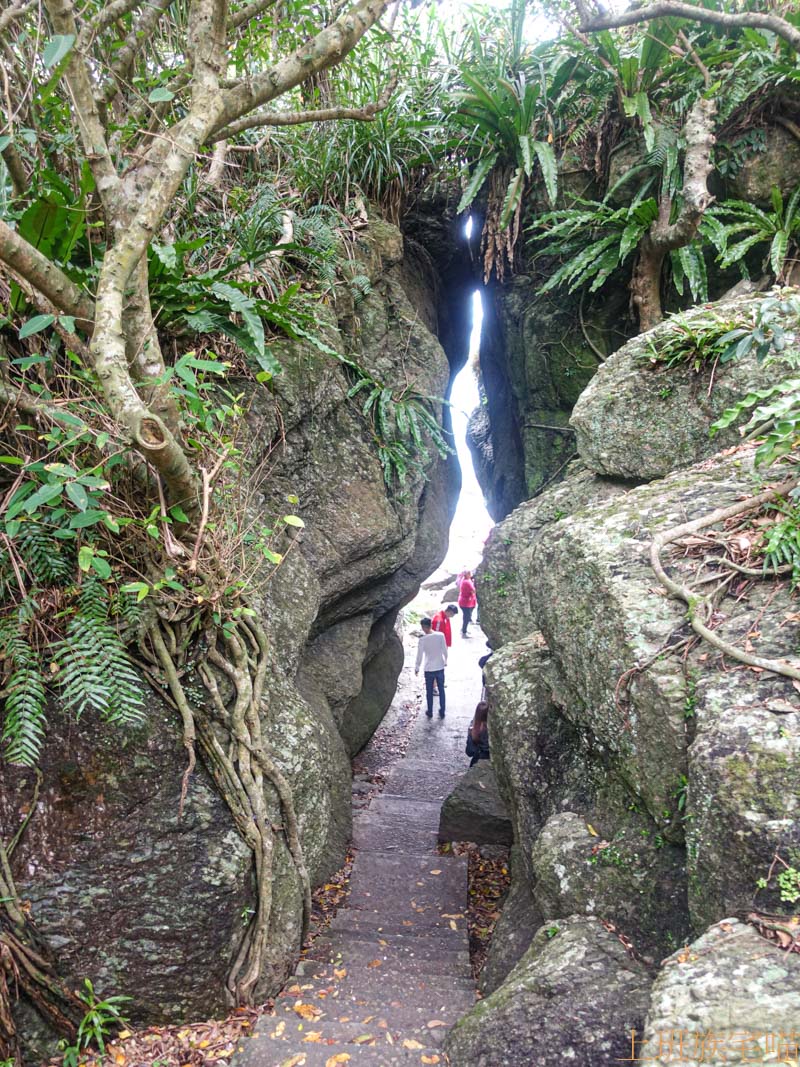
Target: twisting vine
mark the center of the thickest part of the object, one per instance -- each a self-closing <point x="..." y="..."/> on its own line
<point x="698" y="606"/>
<point x="231" y="662"/>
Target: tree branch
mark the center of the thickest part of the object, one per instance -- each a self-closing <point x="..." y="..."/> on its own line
<point x="141" y="32"/>
<point x="117" y="9"/>
<point x="44" y="275"/>
<point x="757" y="20"/>
<point x="87" y="114"/>
<point x="297" y="118"/>
<point x="16" y="169"/>
<point x="324" y="50"/>
<point x="665" y="236"/>
<point x="249" y="11"/>
<point x="15" y="11"/>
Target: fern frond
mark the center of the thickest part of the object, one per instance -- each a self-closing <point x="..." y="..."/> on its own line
<point x="48" y="560"/>
<point x="24" y="723"/>
<point x="96" y="672"/>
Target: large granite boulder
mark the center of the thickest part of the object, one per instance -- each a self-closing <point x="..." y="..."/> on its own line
<point x="630" y="878"/>
<point x="639" y="419"/>
<point x="537" y="355"/>
<point x="592" y="715"/>
<point x="475" y="811"/>
<point x="573" y="998"/>
<point x="731" y="997"/>
<point x="542" y="760"/>
<point x="778" y="164"/>
<point x="152" y="905"/>
<point x="506" y="601"/>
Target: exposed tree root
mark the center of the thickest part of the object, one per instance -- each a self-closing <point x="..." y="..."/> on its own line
<point x="25" y="967"/>
<point x="233" y="670"/>
<point x="699" y="608"/>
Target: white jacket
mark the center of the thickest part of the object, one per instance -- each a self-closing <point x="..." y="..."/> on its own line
<point x="432" y="649"/>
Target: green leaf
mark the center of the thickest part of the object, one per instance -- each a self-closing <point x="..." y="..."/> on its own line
<point x="90" y="517"/>
<point x="160" y="95"/>
<point x="293" y="520"/>
<point x="141" y="589"/>
<point x="78" y="495"/>
<point x="85" y="557"/>
<point x="35" y="325"/>
<point x="476" y="180"/>
<point x="45" y="495"/>
<point x="513" y="197"/>
<point x="777" y="252"/>
<point x="101" y="567"/>
<point x="57" y="48"/>
<point x="13" y="461"/>
<point x="177" y="513"/>
<point x="547" y="161"/>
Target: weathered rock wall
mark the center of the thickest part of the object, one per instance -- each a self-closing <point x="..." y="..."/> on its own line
<point x="153" y="905"/>
<point x="651" y="780"/>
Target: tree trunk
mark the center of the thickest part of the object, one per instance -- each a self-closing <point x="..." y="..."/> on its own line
<point x="665" y="236"/>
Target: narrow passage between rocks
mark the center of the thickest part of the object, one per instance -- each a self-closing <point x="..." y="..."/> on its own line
<point x="392" y="973"/>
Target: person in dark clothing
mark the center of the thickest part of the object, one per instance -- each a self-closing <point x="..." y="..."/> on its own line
<point x="478" y="735"/>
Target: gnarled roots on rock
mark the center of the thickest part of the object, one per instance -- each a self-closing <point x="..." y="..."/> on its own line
<point x="231" y="663"/>
<point x="232" y="666"/>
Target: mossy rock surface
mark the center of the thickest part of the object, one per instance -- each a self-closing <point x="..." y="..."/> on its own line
<point x="730" y="991"/>
<point x="639" y="420"/>
<point x="573" y="998"/>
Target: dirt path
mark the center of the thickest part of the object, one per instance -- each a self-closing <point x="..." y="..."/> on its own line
<point x="392" y="973"/>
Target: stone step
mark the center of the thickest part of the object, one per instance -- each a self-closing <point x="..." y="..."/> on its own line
<point x="262" y="1050"/>
<point x="392" y="834"/>
<point x="376" y="987"/>
<point x="418" y="955"/>
<point x="424" y="922"/>
<point x="421" y="812"/>
<point x="350" y="1016"/>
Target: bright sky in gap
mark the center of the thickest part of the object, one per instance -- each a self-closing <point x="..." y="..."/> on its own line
<point x="472" y="523"/>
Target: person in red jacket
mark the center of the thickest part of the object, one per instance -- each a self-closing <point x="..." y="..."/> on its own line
<point x="467" y="601"/>
<point x="441" y="622"/>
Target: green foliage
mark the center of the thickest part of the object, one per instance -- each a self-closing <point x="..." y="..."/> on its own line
<point x="782" y="540"/>
<point x="735" y="227"/>
<point x="402" y="425"/>
<point x="593" y="238"/>
<point x="774" y="410"/>
<point x="102" y="1018"/>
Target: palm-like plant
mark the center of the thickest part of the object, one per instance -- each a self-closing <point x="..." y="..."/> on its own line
<point x="736" y="226"/>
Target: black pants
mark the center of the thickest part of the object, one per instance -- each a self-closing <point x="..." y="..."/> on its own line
<point x="467" y="619"/>
<point x="429" y="677"/>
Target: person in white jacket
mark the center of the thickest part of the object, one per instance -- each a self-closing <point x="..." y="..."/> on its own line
<point x="432" y="655"/>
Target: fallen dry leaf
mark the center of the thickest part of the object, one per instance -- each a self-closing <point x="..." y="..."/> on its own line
<point x="340" y="1057"/>
<point x="294" y="1061"/>
<point x="430" y="1059"/>
<point x="339" y="972"/>
<point x="434" y="1023"/>
<point x="306" y="1011"/>
<point x="436" y="872"/>
<point x="374" y="963"/>
<point x="412" y="1044"/>
<point x="313" y="1036"/>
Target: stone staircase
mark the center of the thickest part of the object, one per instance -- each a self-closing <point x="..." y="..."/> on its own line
<point x="391" y="974"/>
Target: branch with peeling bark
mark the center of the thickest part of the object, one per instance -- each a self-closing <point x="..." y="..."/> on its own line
<point x="366" y="113"/>
<point x="28" y="262"/>
<point x="757" y="20"/>
<point x="664" y="236"/>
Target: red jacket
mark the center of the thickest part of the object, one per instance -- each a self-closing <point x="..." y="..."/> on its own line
<point x="441" y="623"/>
<point x="466" y="594"/>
